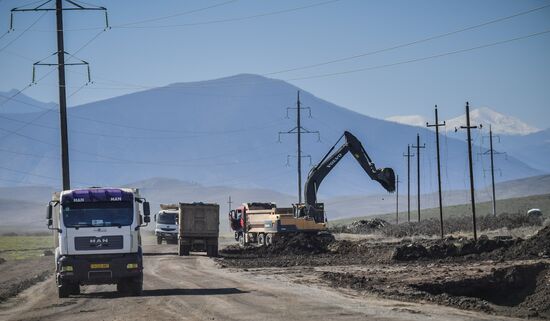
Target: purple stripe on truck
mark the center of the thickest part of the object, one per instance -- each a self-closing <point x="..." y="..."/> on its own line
<point x="96" y="195"/>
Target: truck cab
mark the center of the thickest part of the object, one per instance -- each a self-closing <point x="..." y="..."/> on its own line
<point x="97" y="238"/>
<point x="166" y="226"/>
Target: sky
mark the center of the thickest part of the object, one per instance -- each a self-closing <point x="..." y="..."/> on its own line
<point x="200" y="40"/>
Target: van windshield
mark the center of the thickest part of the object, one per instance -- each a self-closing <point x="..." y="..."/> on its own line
<point x="167" y="218"/>
<point x="88" y="214"/>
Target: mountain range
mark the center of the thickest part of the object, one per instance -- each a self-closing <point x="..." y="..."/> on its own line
<point x="501" y="124"/>
<point x="223" y="132"/>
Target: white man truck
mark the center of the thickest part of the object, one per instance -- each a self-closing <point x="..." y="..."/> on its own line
<point x="97" y="238"/>
<point x="166" y="227"/>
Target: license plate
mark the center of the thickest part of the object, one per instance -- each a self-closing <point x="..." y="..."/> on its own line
<point x="99" y="266"/>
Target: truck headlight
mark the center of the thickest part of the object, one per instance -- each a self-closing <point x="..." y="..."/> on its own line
<point x="67" y="268"/>
<point x="132" y="266"/>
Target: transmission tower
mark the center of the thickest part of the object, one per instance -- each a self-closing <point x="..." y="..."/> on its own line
<point x="491" y="153"/>
<point x="469" y="128"/>
<point x="299" y="130"/>
<point x="73" y="6"/>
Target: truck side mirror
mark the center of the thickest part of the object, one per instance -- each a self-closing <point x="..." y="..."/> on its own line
<point x="49" y="211"/>
<point x="155" y="217"/>
<point x="146" y="212"/>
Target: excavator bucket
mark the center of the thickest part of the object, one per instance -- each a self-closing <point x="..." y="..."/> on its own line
<point x="386" y="177"/>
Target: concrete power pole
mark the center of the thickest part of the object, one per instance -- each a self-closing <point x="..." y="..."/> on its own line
<point x="418" y="147"/>
<point x="437" y="125"/>
<point x="468" y="128"/>
<point x="408" y="156"/>
<point x="299" y="130"/>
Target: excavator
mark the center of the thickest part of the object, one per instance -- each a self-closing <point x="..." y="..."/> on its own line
<point x="262" y="223"/>
<point x="310" y="207"/>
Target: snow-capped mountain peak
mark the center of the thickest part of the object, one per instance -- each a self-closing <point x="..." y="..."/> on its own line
<point x="500" y="123"/>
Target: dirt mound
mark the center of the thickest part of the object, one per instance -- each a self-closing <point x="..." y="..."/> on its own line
<point x="521" y="286"/>
<point x="297" y="244"/>
<point x="431" y="226"/>
<point x="450" y="247"/>
<point x="536" y="246"/>
<point x="367" y="226"/>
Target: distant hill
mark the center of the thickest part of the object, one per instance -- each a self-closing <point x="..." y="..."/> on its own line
<point x="509" y="205"/>
<point x="23" y="208"/>
<point x="219" y="132"/>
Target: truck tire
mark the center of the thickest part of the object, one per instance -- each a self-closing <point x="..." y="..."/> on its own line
<point x="269" y="239"/>
<point x="212" y="250"/>
<point x="261" y="239"/>
<point x="63" y="290"/>
<point x="135" y="286"/>
<point x="184" y="250"/>
<point x="241" y="240"/>
<point x="75" y="288"/>
<point x="159" y="240"/>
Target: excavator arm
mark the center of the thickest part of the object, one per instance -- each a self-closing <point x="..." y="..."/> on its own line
<point x="384" y="176"/>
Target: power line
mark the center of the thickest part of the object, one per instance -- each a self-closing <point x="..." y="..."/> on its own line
<point x="536" y="34"/>
<point x="22" y="33"/>
<point x="176" y="14"/>
<point x="407" y="44"/>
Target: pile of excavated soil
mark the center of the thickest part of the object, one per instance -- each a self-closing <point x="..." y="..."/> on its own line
<point x="536" y="246"/>
<point x="306" y="250"/>
<point x="517" y="290"/>
<point x="450" y="247"/>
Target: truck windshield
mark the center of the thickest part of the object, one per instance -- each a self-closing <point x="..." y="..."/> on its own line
<point x="167" y="218"/>
<point x="89" y="214"/>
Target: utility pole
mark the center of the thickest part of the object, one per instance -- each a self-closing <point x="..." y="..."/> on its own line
<point x="437" y="125"/>
<point x="492" y="152"/>
<point x="470" y="161"/>
<point x="61" y="73"/>
<point x="418" y="170"/>
<point x="408" y="155"/>
<point x="397" y="199"/>
<point x="299" y="130"/>
<point x="62" y="96"/>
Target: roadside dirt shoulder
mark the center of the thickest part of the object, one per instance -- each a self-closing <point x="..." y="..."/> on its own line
<point x="18" y="275"/>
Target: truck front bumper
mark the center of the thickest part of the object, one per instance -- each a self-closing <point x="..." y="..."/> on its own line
<point x="99" y="269"/>
<point x="166" y="235"/>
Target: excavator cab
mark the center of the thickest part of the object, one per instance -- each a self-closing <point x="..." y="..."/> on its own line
<point x="316" y="212"/>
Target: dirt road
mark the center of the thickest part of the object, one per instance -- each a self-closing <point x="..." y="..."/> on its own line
<point x="195" y="288"/>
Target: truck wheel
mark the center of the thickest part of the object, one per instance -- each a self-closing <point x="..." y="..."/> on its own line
<point x="261" y="239"/>
<point x="212" y="250"/>
<point x="184" y="250"/>
<point x="159" y="240"/>
<point x="269" y="239"/>
<point x="75" y="288"/>
<point x="63" y="290"/>
<point x="241" y="240"/>
<point x="136" y="286"/>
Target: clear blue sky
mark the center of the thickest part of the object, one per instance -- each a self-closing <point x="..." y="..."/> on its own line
<point x="513" y="78"/>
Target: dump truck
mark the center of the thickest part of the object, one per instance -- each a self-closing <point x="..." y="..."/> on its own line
<point x="199" y="226"/>
<point x="97" y="238"/>
<point x="166" y="227"/>
<point x="263" y="223"/>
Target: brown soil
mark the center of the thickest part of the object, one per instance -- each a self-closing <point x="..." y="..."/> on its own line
<point x="17" y="275"/>
<point x="502" y="276"/>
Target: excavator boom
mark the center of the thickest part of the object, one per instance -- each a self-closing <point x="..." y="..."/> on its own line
<point x="384" y="176"/>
